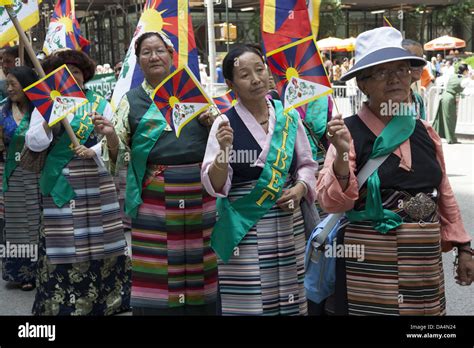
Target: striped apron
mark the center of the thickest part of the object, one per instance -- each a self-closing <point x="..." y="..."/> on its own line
<point x="266" y="274"/>
<point x="173" y="265"/>
<point x="90" y="227"/>
<point x="22" y="223"/>
<point x="402" y="273"/>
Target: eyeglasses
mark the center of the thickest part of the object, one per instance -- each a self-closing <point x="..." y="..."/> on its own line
<point x="149" y="53"/>
<point x="382" y="75"/>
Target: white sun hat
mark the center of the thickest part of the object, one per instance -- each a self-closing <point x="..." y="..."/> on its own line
<point x="378" y="46"/>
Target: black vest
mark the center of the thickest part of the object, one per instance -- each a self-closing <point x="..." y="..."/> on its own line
<point x="244" y="141"/>
<point x="169" y="150"/>
<point x="426" y="172"/>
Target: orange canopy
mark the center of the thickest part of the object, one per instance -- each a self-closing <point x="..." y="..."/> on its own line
<point x="444" y="43"/>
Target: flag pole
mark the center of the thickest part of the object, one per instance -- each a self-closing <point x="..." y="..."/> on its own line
<point x="37" y="65"/>
<point x="212" y="44"/>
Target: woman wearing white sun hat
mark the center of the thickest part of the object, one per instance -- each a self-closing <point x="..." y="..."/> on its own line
<point x="402" y="217"/>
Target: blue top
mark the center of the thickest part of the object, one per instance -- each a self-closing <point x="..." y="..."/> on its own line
<point x="7" y="121"/>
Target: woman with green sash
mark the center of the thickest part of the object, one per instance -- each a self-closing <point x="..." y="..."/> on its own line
<point x="20" y="187"/>
<point x="174" y="270"/>
<point x="446" y="117"/>
<point x="401" y="219"/>
<point x="83" y="267"/>
<point x="259" y="164"/>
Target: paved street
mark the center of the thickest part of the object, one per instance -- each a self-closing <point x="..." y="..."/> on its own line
<point x="460" y="300"/>
<point x="460" y="167"/>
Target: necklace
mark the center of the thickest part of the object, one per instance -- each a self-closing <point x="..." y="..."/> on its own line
<point x="266" y="121"/>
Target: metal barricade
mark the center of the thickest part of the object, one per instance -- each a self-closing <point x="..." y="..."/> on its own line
<point x="348" y="100"/>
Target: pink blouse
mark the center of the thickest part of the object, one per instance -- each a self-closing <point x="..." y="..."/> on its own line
<point x="333" y="199"/>
<point x="306" y="167"/>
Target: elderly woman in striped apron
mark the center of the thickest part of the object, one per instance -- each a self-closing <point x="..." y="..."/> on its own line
<point x="20" y="187"/>
<point x="83" y="268"/>
<point x="174" y="270"/>
<point x="259" y="236"/>
<point x="406" y="213"/>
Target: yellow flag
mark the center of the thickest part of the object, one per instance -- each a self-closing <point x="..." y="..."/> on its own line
<point x="27" y="14"/>
<point x="6" y="2"/>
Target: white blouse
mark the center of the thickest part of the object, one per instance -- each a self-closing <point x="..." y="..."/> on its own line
<point x="37" y="139"/>
<point x="306" y="167"/>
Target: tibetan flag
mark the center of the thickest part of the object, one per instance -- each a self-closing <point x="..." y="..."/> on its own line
<point x="225" y="101"/>
<point x="299" y="74"/>
<point x="64" y="30"/>
<point x="172" y="18"/>
<point x="386" y="22"/>
<point x="180" y="98"/>
<point x="283" y="22"/>
<point x="56" y="95"/>
<point x="27" y="13"/>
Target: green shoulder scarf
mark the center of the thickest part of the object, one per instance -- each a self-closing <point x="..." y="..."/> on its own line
<point x="52" y="182"/>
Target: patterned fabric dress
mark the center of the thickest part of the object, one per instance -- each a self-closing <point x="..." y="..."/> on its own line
<point x="401" y="272"/>
<point x="83" y="268"/>
<point x="21" y="210"/>
<point x="91" y="285"/>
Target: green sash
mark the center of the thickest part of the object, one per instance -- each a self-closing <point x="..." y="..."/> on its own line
<point x="238" y="217"/>
<point x="399" y="129"/>
<point x="52" y="182"/>
<point x="16" y="146"/>
<point x="316" y="118"/>
<point x="148" y="131"/>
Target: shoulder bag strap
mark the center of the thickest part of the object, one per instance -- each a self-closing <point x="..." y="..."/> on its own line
<point x="365" y="172"/>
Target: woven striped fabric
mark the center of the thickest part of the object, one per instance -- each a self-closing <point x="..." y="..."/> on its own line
<point x="402" y="273"/>
<point x="266" y="273"/>
<point x="173" y="264"/>
<point x="2" y="204"/>
<point x="22" y="207"/>
<point x="90" y="227"/>
<point x="120" y="184"/>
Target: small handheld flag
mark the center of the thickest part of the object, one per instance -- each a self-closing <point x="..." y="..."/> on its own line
<point x="299" y="74"/>
<point x="56" y="95"/>
<point x="226" y="101"/>
<point x="180" y="98"/>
